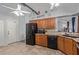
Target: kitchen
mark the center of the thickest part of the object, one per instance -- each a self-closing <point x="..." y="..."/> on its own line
<point x="53" y="29"/>
<point x="49" y="37"/>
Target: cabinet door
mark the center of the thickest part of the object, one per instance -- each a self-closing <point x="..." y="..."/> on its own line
<point x="74" y="48"/>
<point x="43" y="23"/>
<point x="38" y="24"/>
<point x="37" y="38"/>
<point x="61" y="43"/>
<point x="41" y="40"/>
<point x="44" y="40"/>
<point x="48" y="23"/>
<point x="68" y="46"/>
<point x="52" y="23"/>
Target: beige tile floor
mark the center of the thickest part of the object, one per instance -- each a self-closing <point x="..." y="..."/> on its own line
<point x="20" y="48"/>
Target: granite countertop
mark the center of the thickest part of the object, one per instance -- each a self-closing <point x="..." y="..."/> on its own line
<point x="40" y="34"/>
<point x="61" y="34"/>
<point x="75" y="39"/>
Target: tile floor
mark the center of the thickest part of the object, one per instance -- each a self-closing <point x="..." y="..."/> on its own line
<point x="20" y="48"/>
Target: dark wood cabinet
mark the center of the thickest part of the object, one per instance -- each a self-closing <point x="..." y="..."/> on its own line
<point x="41" y="39"/>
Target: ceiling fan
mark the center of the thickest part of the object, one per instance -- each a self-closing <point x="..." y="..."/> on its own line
<point x="17" y="11"/>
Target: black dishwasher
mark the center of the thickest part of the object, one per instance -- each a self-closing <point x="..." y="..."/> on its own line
<point x="52" y="42"/>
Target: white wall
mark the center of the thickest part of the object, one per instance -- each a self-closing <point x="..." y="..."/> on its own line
<point x="4" y="18"/>
<point x="21" y="28"/>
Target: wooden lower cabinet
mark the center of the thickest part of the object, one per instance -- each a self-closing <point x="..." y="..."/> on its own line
<point x="41" y="39"/>
<point x="74" y="48"/>
<point x="60" y="42"/>
<point x="67" y="45"/>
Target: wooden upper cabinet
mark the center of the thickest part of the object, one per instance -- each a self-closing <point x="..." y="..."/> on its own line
<point x="39" y="22"/>
<point x="43" y="23"/>
<point x="46" y="23"/>
<point x="53" y="23"/>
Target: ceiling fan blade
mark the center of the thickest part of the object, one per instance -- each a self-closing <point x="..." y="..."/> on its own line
<point x="15" y="12"/>
<point x="18" y="7"/>
<point x="8" y="7"/>
<point x="25" y="12"/>
<point x="21" y="14"/>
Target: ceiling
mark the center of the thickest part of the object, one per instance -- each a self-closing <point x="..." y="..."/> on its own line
<point x="66" y="9"/>
<point x="63" y="9"/>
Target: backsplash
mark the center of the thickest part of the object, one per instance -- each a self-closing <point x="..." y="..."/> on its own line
<point x="61" y="22"/>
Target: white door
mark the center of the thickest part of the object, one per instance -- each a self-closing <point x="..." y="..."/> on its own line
<point x="11" y="28"/>
<point x="1" y="32"/>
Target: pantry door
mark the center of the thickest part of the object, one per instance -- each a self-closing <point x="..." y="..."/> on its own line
<point x="1" y="32"/>
<point x="11" y="28"/>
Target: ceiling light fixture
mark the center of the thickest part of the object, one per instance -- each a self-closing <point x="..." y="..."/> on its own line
<point x="54" y="5"/>
<point x="57" y="4"/>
